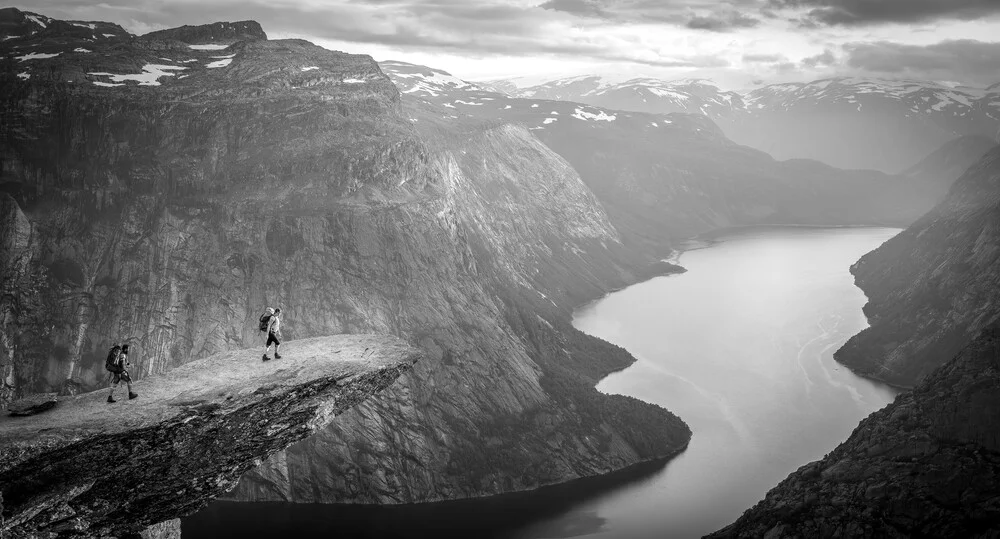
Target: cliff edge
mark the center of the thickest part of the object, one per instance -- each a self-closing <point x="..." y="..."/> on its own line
<point x="103" y="469"/>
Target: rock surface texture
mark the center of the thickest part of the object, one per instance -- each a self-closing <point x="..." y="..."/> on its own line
<point x="927" y="465"/>
<point x="934" y="286"/>
<point x="101" y="469"/>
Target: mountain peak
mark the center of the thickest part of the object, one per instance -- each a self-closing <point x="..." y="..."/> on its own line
<point x="216" y="32"/>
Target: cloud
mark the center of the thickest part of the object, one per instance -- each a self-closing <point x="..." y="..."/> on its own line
<point x="586" y="8"/>
<point x="970" y="61"/>
<point x="723" y="22"/>
<point x="764" y="58"/>
<point x="865" y="12"/>
<point x="824" y="59"/>
<point x="479" y="28"/>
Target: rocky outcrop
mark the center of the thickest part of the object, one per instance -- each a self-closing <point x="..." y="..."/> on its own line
<point x="215" y="33"/>
<point x="927" y="465"/>
<point x="280" y="173"/>
<point x="934" y="286"/>
<point x="112" y="469"/>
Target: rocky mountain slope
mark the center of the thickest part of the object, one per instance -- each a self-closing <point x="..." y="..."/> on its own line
<point x="165" y="188"/>
<point x="934" y="286"/>
<point x="927" y="465"/>
<point x="80" y="468"/>
<point x="668" y="176"/>
<point x="851" y="123"/>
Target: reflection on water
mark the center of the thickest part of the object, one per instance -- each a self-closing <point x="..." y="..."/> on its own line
<point x="740" y="347"/>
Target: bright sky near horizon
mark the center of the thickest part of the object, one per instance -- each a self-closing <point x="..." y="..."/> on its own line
<point x="737" y="43"/>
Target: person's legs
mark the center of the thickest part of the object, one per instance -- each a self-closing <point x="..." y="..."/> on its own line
<point x="114" y="383"/>
<point x="267" y="346"/>
<point x="128" y="382"/>
<point x="276" y="354"/>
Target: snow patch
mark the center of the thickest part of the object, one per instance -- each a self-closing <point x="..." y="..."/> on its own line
<point x="534" y="105"/>
<point x="80" y="49"/>
<point x="206" y="46"/>
<point x="36" y="20"/>
<point x="467" y="102"/>
<point x="225" y="60"/>
<point x="148" y="77"/>
<point x="309" y="68"/>
<point x="109" y="35"/>
<point x="549" y="120"/>
<point x="99" y="83"/>
<point x="601" y="116"/>
<point x="354" y="81"/>
<point x="24" y="75"/>
<point x="37" y="56"/>
<point x="92" y="26"/>
<point x="654" y="124"/>
<point x="507" y="107"/>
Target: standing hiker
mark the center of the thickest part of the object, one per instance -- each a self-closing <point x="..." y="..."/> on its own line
<point x="273" y="334"/>
<point x="116" y="364"/>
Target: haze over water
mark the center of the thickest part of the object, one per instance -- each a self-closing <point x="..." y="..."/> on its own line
<point x="740" y="347"/>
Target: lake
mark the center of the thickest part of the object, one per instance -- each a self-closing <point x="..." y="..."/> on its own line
<point x="740" y="347"/>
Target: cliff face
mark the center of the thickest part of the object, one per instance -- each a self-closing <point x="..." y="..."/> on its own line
<point x="934" y="286"/>
<point x="97" y="469"/>
<point x="279" y="173"/>
<point x="927" y="465"/>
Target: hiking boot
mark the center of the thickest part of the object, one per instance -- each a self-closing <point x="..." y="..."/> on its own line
<point x="132" y="395"/>
<point x="265" y="358"/>
<point x="110" y="399"/>
<point x="277" y="355"/>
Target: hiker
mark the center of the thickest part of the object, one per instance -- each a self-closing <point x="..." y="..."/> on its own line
<point x="273" y="334"/>
<point x="116" y="364"/>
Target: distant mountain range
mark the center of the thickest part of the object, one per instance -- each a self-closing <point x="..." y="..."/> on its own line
<point x="886" y="125"/>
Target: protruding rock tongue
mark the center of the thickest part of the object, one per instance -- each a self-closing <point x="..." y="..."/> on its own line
<point x="217" y="32"/>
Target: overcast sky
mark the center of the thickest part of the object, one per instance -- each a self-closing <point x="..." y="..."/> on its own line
<point x="731" y="41"/>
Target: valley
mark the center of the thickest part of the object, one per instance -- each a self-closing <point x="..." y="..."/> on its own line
<point x="190" y="177"/>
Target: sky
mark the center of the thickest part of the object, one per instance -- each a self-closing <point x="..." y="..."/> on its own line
<point x="736" y="43"/>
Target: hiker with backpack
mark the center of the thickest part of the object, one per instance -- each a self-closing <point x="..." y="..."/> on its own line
<point x="271" y="323"/>
<point x="116" y="364"/>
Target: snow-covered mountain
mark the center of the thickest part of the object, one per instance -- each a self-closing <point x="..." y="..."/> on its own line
<point x="862" y="123"/>
<point x="638" y="94"/>
<point x="848" y="122"/>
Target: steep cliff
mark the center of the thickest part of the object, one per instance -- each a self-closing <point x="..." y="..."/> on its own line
<point x="182" y="188"/>
<point x="96" y="469"/>
<point x="927" y="465"/>
<point x="934" y="286"/>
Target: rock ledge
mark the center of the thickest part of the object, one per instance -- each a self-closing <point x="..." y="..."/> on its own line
<point x="102" y="469"/>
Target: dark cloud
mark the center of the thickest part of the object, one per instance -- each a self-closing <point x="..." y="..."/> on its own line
<point x="586" y="8"/>
<point x="862" y="12"/>
<point x="722" y="22"/>
<point x="967" y="61"/>
<point x="484" y="28"/>
<point x="826" y="58"/>
<point x="764" y="58"/>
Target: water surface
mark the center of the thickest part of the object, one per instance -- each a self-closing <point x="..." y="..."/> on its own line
<point x="740" y="347"/>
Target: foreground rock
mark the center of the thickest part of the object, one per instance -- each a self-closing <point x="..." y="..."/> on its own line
<point x="33" y="404"/>
<point x="927" y="465"/>
<point x="113" y="469"/>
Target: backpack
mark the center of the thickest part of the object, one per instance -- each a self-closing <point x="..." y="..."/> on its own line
<point x="111" y="363"/>
<point x="265" y="319"/>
